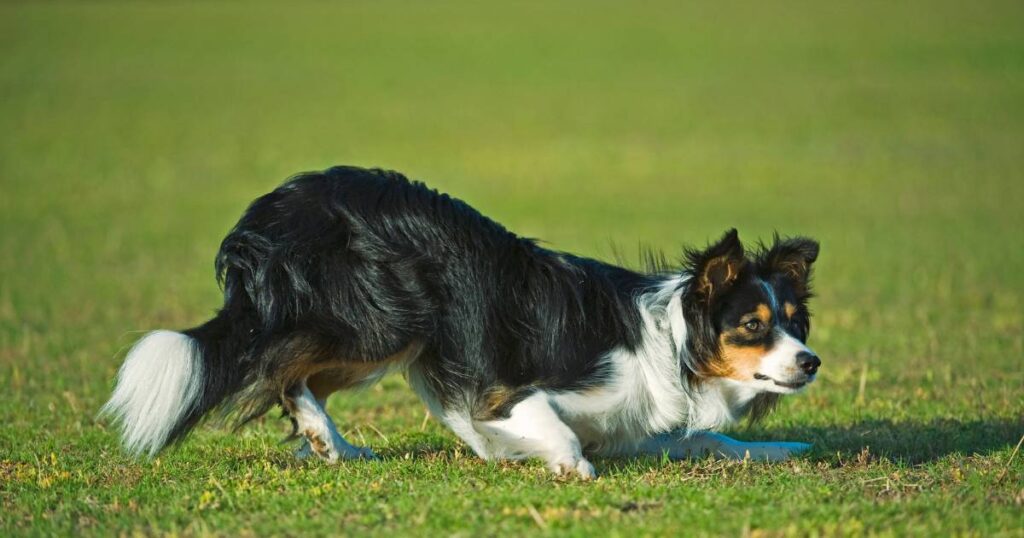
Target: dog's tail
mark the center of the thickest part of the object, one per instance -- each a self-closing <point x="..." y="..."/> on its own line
<point x="170" y="380"/>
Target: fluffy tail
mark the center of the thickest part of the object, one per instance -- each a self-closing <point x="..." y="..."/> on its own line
<point x="169" y="380"/>
<point x="158" y="384"/>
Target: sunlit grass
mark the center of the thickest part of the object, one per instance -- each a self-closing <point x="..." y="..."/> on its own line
<point x="134" y="135"/>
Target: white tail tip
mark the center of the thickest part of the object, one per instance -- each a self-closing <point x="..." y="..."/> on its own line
<point x="161" y="378"/>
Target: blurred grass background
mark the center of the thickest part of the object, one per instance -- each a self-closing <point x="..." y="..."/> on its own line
<point x="134" y="134"/>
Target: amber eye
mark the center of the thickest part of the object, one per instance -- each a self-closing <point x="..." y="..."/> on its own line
<point x="753" y="325"/>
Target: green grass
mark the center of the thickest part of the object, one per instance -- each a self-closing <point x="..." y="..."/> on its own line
<point x="134" y="134"/>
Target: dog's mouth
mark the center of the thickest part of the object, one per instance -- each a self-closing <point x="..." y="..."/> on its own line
<point x="797" y="385"/>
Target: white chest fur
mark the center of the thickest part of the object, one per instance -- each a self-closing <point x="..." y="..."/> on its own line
<point x="647" y="392"/>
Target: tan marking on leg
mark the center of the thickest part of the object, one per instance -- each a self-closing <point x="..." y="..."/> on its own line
<point x="497" y="396"/>
<point x="318" y="445"/>
<point x="338" y="376"/>
<point x="498" y="400"/>
<point x="325" y="375"/>
<point x="289" y="405"/>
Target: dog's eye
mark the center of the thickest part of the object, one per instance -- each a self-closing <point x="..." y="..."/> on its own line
<point x="753" y="325"/>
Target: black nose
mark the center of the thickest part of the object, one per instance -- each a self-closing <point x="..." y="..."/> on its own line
<point x="808" y="362"/>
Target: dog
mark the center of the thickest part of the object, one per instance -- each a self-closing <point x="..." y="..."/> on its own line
<point x="338" y="277"/>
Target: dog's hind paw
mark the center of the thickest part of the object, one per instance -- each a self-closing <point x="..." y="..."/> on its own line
<point x="332" y="454"/>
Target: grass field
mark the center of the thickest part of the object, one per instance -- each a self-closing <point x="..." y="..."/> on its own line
<point x="134" y="134"/>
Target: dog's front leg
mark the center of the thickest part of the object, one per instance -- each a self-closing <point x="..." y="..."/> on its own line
<point x="534" y="429"/>
<point x="680" y="445"/>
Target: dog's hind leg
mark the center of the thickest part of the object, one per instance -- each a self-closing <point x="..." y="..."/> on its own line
<point x="534" y="429"/>
<point x="306" y="400"/>
<point x="305" y="450"/>
<point x="320" y="434"/>
<point x="680" y="445"/>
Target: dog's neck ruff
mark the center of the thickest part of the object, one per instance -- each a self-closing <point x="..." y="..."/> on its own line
<point x="710" y="403"/>
<point x="648" y="391"/>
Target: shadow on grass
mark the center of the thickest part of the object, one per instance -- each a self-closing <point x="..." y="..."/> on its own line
<point x="907" y="441"/>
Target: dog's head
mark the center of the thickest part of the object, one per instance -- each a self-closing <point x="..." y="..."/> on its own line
<point x="746" y="316"/>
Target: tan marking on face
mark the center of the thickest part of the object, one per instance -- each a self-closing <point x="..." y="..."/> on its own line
<point x="738" y="362"/>
<point x="764" y="313"/>
<point x="789" y="309"/>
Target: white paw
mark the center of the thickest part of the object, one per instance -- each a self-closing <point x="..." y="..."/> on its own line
<point x="586" y="470"/>
<point x="334" y="451"/>
<point x="579" y="466"/>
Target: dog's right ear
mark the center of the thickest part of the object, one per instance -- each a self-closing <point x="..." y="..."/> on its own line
<point x="712" y="272"/>
<point x="717" y="267"/>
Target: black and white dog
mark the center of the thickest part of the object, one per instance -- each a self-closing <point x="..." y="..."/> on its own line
<point x="337" y="277"/>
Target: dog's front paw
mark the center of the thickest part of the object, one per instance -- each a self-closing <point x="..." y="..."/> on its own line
<point x="578" y="466"/>
<point x="585" y="470"/>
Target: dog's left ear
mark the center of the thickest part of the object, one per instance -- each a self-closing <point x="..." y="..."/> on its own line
<point x="792" y="258"/>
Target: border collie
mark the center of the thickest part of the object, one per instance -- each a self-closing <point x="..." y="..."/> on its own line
<point x="337" y="277"/>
